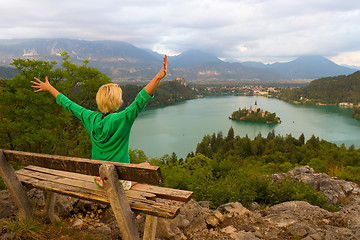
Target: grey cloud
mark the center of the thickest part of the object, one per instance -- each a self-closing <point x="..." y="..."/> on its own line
<point x="232" y="29"/>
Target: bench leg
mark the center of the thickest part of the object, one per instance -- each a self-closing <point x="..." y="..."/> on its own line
<point x="15" y="188"/>
<point x="50" y="207"/>
<point x="119" y="202"/>
<point x="150" y="227"/>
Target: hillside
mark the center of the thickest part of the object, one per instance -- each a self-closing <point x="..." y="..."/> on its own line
<point x="167" y="93"/>
<point x="124" y="62"/>
<point x="310" y="67"/>
<point x="330" y="90"/>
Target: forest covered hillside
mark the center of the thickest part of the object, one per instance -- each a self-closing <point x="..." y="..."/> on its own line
<point x="329" y="90"/>
<point x="7" y="72"/>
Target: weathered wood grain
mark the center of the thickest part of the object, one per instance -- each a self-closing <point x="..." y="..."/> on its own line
<point x="50" y="201"/>
<point x="119" y="203"/>
<point x="166" y="193"/>
<point x="137" y="201"/>
<point x="150" y="227"/>
<point x="74" y="179"/>
<point x="15" y="188"/>
<point x="133" y="172"/>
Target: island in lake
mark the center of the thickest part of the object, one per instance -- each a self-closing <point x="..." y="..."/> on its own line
<point x="256" y="115"/>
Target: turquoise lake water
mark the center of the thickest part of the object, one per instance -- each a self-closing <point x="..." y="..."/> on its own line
<point x="179" y="128"/>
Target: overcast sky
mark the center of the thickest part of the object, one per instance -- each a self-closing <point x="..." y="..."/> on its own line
<point x="233" y="30"/>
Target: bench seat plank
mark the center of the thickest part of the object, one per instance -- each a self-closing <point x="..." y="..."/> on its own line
<point x="74" y="179"/>
<point x="166" y="193"/>
<point x="147" y="191"/>
<point x="89" y="191"/>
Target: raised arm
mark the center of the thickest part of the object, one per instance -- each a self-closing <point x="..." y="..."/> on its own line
<point x="150" y="88"/>
<point x="44" y="86"/>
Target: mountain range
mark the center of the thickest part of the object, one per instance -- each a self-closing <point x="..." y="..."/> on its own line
<point x="125" y="62"/>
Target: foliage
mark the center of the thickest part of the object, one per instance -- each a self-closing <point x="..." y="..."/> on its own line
<point x="329" y="90"/>
<point x="356" y="113"/>
<point x="252" y="116"/>
<point x="233" y="168"/>
<point x="34" y="122"/>
<point x="7" y="72"/>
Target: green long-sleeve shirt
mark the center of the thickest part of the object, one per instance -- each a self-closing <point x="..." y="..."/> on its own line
<point x="109" y="136"/>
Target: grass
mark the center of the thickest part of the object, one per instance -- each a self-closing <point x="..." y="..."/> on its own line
<point x="39" y="229"/>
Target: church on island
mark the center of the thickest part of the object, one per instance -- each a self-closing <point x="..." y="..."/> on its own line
<point x="256" y="115"/>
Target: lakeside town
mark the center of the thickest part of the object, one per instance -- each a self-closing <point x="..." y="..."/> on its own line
<point x="238" y="90"/>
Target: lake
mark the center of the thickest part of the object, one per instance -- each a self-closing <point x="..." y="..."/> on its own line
<point x="179" y="128"/>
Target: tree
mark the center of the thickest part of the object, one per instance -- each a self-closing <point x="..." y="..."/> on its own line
<point x="173" y="158"/>
<point x="302" y="139"/>
<point x="313" y="141"/>
<point x="271" y="135"/>
<point x="230" y="135"/>
<point x="34" y="122"/>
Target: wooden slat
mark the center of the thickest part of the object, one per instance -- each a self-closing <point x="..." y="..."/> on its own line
<point x="160" y="192"/>
<point x="75" y="180"/>
<point x="133" y="172"/>
<point x="142" y="205"/>
<point x="166" y="193"/>
<point x="63" y="189"/>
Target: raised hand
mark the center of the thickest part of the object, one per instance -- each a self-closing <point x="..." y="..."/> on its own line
<point x="162" y="72"/>
<point x="41" y="86"/>
<point x="44" y="86"/>
<point x="150" y="88"/>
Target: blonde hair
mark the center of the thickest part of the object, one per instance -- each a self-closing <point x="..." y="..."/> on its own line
<point x="109" y="98"/>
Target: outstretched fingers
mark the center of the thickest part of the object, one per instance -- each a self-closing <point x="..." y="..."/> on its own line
<point x="39" y="85"/>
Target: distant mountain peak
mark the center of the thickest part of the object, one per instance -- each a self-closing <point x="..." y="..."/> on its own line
<point x="313" y="59"/>
<point x="310" y="67"/>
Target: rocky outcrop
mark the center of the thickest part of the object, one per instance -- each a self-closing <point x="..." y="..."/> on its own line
<point x="289" y="220"/>
<point x="336" y="190"/>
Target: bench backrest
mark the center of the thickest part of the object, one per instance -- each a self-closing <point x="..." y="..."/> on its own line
<point x="126" y="171"/>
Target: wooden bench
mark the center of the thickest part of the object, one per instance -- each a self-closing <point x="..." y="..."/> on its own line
<point x="74" y="177"/>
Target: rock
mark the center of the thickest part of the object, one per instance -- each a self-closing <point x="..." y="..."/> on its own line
<point x="212" y="221"/>
<point x="214" y="218"/>
<point x="103" y="229"/>
<point x="37" y="196"/>
<point x="190" y="219"/>
<point x="77" y="224"/>
<point x="288" y="213"/>
<point x="333" y="188"/>
<point x="351" y="215"/>
<point x="65" y="205"/>
<point x="233" y="209"/>
<point x="316" y="236"/>
<point x="301" y="170"/>
<point x="254" y="206"/>
<point x="299" y="229"/>
<point x="229" y="229"/>
<point x="167" y="229"/>
<point x="242" y="235"/>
